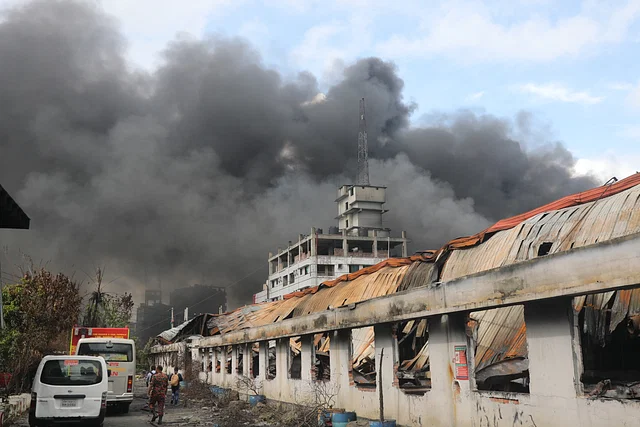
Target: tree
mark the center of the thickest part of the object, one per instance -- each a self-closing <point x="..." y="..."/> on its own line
<point x="107" y="310"/>
<point x="39" y="314"/>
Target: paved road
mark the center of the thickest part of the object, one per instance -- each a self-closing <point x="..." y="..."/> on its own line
<point x="174" y="416"/>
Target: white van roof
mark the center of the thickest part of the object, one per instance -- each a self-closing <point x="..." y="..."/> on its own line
<point x="72" y="356"/>
<point x="104" y="339"/>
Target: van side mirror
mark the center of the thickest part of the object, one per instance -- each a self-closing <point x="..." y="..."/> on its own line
<point x="108" y="372"/>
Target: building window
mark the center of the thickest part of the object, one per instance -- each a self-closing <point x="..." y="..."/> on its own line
<point x="271" y="360"/>
<point x="499" y="341"/>
<point x="294" y="362"/>
<point x="414" y="373"/>
<point x="325" y="270"/>
<point x="351" y="192"/>
<point x="353" y="268"/>
<point x="363" y="357"/>
<point x="291" y="278"/>
<point x="347" y="223"/>
<point x="346" y="206"/>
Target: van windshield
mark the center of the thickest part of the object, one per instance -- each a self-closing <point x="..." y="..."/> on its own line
<point x="71" y="372"/>
<point x="113" y="352"/>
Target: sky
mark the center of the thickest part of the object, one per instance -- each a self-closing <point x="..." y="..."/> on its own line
<point x="572" y="66"/>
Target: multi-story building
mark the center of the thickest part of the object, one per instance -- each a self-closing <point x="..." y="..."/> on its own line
<point x="152" y="317"/>
<point x="359" y="241"/>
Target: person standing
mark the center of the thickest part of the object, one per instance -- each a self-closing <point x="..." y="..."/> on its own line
<point x="157" y="393"/>
<point x="175" y="381"/>
<point x="151" y="373"/>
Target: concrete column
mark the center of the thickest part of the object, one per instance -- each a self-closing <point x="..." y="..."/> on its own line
<point x="345" y="243"/>
<point x="306" y="357"/>
<point x="375" y="243"/>
<point x="264" y="360"/>
<point x="282" y="358"/>
<point x="234" y="361"/>
<point x="314" y="241"/>
<point x="404" y="243"/>
<point x="216" y="376"/>
<point x="246" y="360"/>
<point x="384" y="339"/>
<point x="340" y="357"/>
<point x="205" y="359"/>
<point x="551" y="361"/>
<point x="279" y="260"/>
<point x="450" y="391"/>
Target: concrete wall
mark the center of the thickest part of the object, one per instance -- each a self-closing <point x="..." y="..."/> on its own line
<point x="555" y="398"/>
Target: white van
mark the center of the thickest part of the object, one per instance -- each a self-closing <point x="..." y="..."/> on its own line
<point x="69" y="390"/>
<point x="120" y="355"/>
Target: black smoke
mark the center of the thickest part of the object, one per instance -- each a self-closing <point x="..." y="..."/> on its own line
<point x="194" y="172"/>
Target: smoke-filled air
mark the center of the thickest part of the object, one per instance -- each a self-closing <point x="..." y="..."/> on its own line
<point x="192" y="173"/>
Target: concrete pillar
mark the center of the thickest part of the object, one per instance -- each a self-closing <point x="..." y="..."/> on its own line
<point x="314" y="242"/>
<point x="345" y="243"/>
<point x="340" y="358"/>
<point x="384" y="339"/>
<point x="246" y="360"/>
<point x="375" y="243"/>
<point x="279" y="260"/>
<point x="404" y="244"/>
<point x="551" y="361"/>
<point x="264" y="360"/>
<point x="282" y="358"/>
<point x="215" y="376"/>
<point x="306" y="357"/>
<point x="205" y="360"/>
<point x="451" y="391"/>
<point x="234" y="361"/>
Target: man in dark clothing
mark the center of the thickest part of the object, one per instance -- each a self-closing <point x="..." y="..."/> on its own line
<point x="157" y="393"/>
<point x="175" y="381"/>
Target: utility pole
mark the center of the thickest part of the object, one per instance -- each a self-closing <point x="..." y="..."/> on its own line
<point x="363" y="150"/>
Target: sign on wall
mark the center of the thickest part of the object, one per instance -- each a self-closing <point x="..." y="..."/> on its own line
<point x="460" y="361"/>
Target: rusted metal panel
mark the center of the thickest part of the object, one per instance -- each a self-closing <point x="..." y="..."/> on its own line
<point x="573" y="227"/>
<point x="501" y="335"/>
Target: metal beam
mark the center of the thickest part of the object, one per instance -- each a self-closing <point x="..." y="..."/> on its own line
<point x="605" y="266"/>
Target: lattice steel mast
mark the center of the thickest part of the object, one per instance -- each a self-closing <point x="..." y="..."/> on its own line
<point x="363" y="150"/>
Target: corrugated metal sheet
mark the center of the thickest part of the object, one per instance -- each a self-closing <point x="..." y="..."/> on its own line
<point x="598" y="221"/>
<point x="384" y="281"/>
<point x="501" y="335"/>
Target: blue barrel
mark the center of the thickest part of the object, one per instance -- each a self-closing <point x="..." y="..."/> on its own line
<point x="386" y="423"/>
<point x="259" y="398"/>
<point x="343" y="417"/>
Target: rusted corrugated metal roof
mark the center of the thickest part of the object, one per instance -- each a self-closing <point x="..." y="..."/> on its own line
<point x="598" y="221"/>
<point x="596" y="215"/>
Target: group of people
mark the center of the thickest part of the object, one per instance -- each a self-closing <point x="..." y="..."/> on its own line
<point x="157" y="385"/>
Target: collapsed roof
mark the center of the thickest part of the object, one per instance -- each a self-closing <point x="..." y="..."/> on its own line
<point x="582" y="219"/>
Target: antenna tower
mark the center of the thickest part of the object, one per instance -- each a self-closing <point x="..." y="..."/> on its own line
<point x="363" y="150"/>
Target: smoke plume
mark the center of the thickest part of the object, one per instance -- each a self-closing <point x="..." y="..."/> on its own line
<point x="194" y="172"/>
